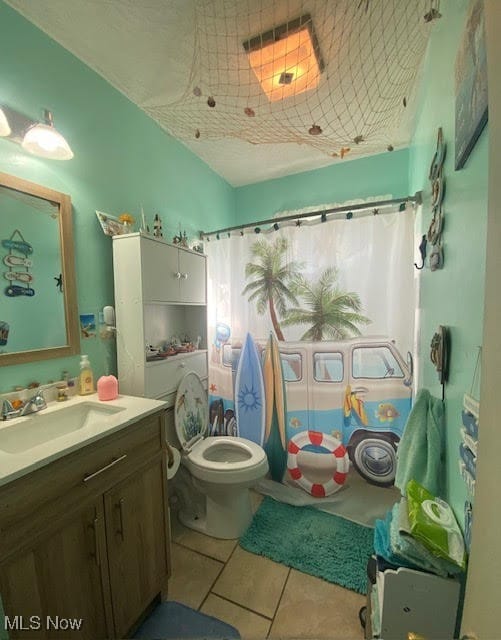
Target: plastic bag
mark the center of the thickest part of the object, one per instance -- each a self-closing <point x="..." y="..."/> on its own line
<point x="433" y="523"/>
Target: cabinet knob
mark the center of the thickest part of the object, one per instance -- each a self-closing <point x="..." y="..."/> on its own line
<point x="184" y="276"/>
<point x="182" y="364"/>
<point x="177" y="275"/>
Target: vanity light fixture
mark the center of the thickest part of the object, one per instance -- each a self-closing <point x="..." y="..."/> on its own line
<point x="4" y="124"/>
<point x="43" y="139"/>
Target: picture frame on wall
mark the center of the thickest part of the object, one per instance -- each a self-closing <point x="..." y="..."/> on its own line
<point x="111" y="225"/>
<point x="471" y="85"/>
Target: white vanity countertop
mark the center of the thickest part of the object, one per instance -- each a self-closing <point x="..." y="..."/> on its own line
<point x="17" y="463"/>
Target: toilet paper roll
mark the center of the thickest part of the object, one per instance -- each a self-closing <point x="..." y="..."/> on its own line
<point x="173" y="461"/>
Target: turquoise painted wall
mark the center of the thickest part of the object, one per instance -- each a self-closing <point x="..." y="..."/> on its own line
<point x="383" y="174"/>
<point x="452" y="296"/>
<point x="122" y="160"/>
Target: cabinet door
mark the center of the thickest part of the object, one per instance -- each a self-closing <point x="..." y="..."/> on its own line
<point x="193" y="278"/>
<point x="136" y="530"/>
<point x="60" y="588"/>
<point x="160" y="272"/>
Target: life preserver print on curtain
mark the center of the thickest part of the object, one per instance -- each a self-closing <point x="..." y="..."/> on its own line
<point x="308" y="331"/>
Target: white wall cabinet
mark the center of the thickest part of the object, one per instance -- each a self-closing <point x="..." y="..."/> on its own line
<point x="160" y="292"/>
<point x="171" y="274"/>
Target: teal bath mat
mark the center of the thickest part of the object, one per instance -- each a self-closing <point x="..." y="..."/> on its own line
<point x="311" y="541"/>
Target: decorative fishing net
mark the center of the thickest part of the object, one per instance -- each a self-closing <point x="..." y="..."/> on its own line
<point x="338" y="75"/>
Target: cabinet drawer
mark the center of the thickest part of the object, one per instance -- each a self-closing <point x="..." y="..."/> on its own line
<point x="40" y="498"/>
<point x="162" y="378"/>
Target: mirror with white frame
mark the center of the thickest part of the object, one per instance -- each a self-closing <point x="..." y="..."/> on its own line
<point x="38" y="309"/>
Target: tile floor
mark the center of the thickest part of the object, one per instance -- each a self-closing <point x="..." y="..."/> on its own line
<point x="260" y="597"/>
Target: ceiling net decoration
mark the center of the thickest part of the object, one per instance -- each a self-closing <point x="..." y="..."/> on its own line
<point x="338" y="75"/>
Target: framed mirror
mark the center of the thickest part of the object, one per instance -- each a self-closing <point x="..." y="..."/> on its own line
<point x="38" y="303"/>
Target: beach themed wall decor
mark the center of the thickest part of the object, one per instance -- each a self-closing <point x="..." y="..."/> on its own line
<point x="437" y="183"/>
<point x="19" y="265"/>
<point x="111" y="225"/>
<point x="471" y="84"/>
<point x="4" y="333"/>
<point x="87" y="325"/>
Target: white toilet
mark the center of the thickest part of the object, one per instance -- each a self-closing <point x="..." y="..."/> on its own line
<point x="216" y="472"/>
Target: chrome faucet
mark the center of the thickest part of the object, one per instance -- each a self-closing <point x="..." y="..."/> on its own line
<point x="33" y="405"/>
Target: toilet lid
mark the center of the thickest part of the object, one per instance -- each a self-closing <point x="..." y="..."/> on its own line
<point x="191" y="410"/>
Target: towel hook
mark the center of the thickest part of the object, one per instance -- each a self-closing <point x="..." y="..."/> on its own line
<point x="422" y="251"/>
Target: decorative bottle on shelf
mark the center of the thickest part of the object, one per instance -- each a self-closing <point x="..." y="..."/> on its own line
<point x="157" y="226"/>
<point x="86" y="377"/>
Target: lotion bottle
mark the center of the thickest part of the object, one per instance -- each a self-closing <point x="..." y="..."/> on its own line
<point x="86" y="377"/>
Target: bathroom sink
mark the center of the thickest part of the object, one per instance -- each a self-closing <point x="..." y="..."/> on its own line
<point x="43" y="427"/>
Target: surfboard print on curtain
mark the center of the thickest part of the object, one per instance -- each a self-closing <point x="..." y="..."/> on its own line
<point x="338" y="302"/>
<point x="250" y="407"/>
<point x="276" y="411"/>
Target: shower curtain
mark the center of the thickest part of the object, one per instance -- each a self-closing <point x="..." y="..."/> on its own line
<point x="311" y="327"/>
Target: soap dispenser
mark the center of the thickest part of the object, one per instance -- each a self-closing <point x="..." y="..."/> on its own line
<point x="86" y="377"/>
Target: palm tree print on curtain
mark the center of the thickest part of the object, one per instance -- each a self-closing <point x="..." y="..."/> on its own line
<point x="330" y="312"/>
<point x="271" y="277"/>
<point x="339" y="298"/>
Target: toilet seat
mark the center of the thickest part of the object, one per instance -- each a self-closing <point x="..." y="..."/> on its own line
<point x="220" y="459"/>
<point x="234" y="453"/>
<point x="226" y="472"/>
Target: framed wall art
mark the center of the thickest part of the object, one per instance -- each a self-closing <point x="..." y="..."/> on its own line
<point x="471" y="84"/>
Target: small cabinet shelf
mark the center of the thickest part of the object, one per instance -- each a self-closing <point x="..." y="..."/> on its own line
<point x="400" y="601"/>
<point x="160" y="292"/>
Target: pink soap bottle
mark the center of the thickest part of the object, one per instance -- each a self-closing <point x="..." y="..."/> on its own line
<point x="107" y="388"/>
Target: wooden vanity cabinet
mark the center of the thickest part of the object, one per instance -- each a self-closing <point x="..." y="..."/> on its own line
<point x="136" y="539"/>
<point x="97" y="548"/>
<point x="60" y="576"/>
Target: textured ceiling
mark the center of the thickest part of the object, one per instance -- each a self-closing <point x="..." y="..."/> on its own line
<point x="170" y="56"/>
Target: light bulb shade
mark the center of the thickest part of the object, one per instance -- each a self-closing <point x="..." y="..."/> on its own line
<point x="45" y="141"/>
<point x="4" y="125"/>
<point x="286" y="60"/>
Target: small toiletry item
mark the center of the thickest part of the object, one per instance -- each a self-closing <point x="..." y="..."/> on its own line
<point x="86" y="377"/>
<point x="61" y="392"/>
<point x="107" y="388"/>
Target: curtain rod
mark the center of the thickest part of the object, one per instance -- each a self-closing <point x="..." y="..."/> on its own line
<point x="416" y="198"/>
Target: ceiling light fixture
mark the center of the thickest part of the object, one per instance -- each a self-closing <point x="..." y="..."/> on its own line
<point x="45" y="140"/>
<point x="4" y="124"/>
<point x="286" y="60"/>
